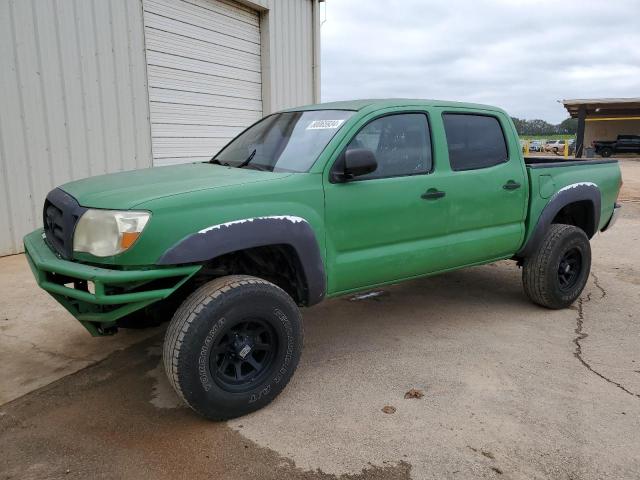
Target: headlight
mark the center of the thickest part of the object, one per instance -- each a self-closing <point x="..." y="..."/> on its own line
<point x="108" y="232"/>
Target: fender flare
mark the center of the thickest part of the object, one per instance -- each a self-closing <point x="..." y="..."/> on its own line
<point x="223" y="238"/>
<point x="576" y="192"/>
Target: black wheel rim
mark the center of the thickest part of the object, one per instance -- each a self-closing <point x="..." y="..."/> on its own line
<point x="243" y="355"/>
<point x="569" y="269"/>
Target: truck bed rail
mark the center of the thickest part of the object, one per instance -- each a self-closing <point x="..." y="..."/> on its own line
<point x="546" y="162"/>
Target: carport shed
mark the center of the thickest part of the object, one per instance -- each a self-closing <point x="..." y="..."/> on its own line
<point x="603" y="119"/>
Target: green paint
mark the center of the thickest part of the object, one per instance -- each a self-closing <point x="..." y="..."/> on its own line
<point x="370" y="232"/>
<point x="547" y="186"/>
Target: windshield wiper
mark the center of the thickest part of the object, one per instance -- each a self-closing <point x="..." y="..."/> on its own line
<point x="249" y="158"/>
<point x="243" y="164"/>
<point x="218" y="162"/>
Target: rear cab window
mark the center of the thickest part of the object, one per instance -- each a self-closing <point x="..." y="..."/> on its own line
<point x="474" y="141"/>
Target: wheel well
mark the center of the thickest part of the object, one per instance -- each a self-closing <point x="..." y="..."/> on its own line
<point x="579" y="214"/>
<point x="278" y="264"/>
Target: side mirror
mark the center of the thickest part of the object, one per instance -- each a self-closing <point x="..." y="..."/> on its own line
<point x="357" y="161"/>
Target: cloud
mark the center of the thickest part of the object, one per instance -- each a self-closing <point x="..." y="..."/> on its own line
<point x="520" y="55"/>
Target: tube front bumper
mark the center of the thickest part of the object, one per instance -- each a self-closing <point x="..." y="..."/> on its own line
<point x="96" y="296"/>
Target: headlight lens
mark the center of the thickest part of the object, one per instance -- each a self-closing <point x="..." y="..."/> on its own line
<point x="108" y="232"/>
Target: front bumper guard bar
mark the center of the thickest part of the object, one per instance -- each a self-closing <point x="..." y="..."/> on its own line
<point x="98" y="310"/>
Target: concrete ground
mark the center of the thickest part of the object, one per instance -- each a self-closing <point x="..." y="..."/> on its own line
<point x="510" y="390"/>
<point x="39" y="341"/>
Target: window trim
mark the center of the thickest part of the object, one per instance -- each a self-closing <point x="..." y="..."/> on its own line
<point x="476" y="114"/>
<point x="340" y="156"/>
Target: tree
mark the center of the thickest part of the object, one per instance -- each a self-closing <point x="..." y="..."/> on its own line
<point x="568" y="126"/>
<point x="541" y="127"/>
<point x="520" y="125"/>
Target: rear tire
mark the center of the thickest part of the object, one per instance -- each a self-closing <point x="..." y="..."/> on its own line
<point x="555" y="275"/>
<point x="606" y="152"/>
<point x="232" y="346"/>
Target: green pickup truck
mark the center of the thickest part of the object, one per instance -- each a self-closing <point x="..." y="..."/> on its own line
<point x="309" y="203"/>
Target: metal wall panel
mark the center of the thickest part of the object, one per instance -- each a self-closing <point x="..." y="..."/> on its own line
<point x="205" y="75"/>
<point x="289" y="33"/>
<point x="73" y="101"/>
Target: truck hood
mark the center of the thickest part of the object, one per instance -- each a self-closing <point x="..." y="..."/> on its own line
<point x="125" y="190"/>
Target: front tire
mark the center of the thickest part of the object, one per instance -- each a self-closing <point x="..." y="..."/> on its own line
<point x="233" y="346"/>
<point x="555" y="275"/>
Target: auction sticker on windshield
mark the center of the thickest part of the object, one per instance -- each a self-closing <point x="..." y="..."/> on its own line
<point x="324" y="124"/>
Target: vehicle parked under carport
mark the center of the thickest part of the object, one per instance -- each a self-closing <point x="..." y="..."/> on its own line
<point x="623" y="144"/>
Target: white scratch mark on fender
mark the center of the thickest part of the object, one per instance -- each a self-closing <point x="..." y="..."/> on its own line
<point x="290" y="218"/>
<point x="575" y="185"/>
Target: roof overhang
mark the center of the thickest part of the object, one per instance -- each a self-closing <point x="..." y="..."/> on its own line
<point x="603" y="107"/>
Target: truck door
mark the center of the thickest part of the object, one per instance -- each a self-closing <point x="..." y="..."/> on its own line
<point x="628" y="144"/>
<point x="392" y="223"/>
<point x="487" y="187"/>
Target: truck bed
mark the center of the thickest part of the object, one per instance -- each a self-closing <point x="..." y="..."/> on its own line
<point x="549" y="175"/>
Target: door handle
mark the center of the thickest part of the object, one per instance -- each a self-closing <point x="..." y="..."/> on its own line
<point x="511" y="185"/>
<point x="432" y="194"/>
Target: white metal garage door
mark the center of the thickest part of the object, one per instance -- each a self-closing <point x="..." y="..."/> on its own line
<point x="203" y="61"/>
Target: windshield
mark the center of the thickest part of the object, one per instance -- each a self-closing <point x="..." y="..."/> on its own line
<point x="284" y="142"/>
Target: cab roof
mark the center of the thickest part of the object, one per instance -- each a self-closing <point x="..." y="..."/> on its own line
<point x="357" y="105"/>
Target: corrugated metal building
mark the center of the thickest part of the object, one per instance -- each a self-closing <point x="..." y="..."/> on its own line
<point x="98" y="86"/>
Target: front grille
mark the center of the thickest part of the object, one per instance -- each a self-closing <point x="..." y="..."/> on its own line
<point x="53" y="225"/>
<point x="60" y="215"/>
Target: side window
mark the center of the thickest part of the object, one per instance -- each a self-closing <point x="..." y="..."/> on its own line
<point x="474" y="141"/>
<point x="400" y="142"/>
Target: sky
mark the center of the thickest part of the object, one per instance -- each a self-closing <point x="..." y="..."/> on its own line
<point x="520" y="55"/>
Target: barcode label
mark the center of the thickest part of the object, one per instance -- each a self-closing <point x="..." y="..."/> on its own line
<point x="324" y="124"/>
